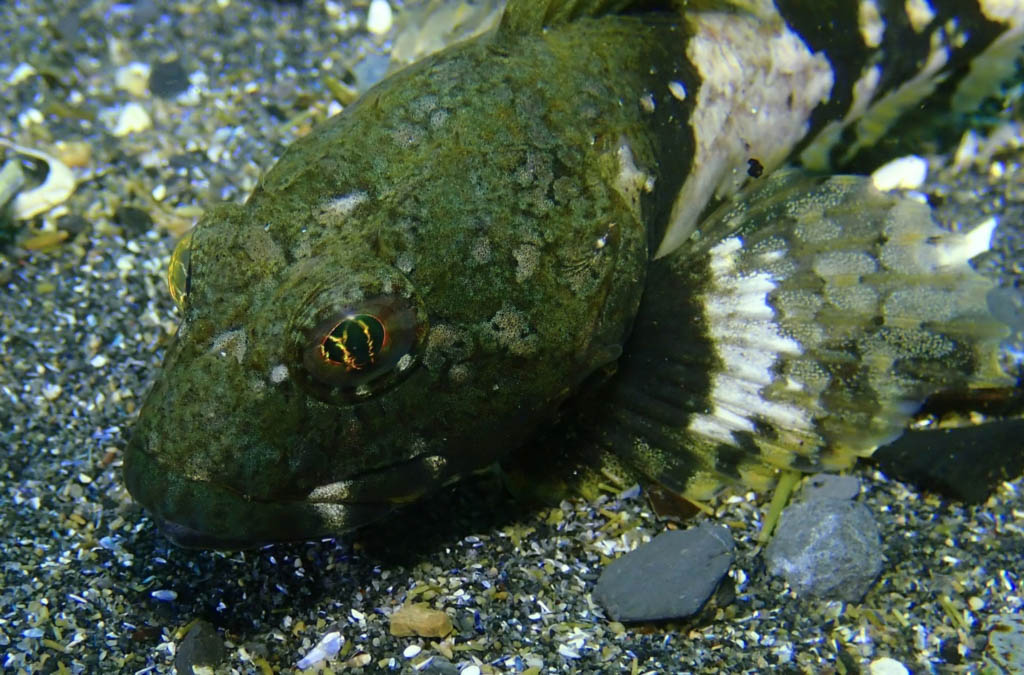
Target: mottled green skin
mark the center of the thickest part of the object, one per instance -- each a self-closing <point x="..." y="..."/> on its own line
<point x="493" y="204"/>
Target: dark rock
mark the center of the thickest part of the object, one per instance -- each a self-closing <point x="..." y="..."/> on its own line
<point x="68" y="25"/>
<point x="145" y="12"/>
<point x="966" y="463"/>
<point x="830" y="486"/>
<point x="670" y="577"/>
<point x="201" y="646"/>
<point x="828" y="548"/>
<point x="134" y="220"/>
<point x="168" y="79"/>
<point x="72" y="223"/>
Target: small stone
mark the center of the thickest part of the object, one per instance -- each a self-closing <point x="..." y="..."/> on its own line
<point x="438" y="665"/>
<point x="72" y="223"/>
<point x="887" y="666"/>
<point x="412" y="651"/>
<point x="830" y="486"/>
<point x="827" y="548"/>
<point x="21" y="72"/>
<point x="52" y="391"/>
<point x="328" y="647"/>
<point x="134" y="220"/>
<point x="133" y="78"/>
<point x="201" y="646"/>
<point x="359" y="660"/>
<point x="168" y="79"/>
<point x="74" y="153"/>
<point x="131" y="119"/>
<point x="44" y="241"/>
<point x="421" y="620"/>
<point x="670" y="577"/>
<point x="905" y="173"/>
<point x="145" y="12"/>
<point x="379" y="17"/>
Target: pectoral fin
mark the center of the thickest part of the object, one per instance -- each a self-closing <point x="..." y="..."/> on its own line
<point x="801" y="327"/>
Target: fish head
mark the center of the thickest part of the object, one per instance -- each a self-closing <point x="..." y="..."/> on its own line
<point x="391" y="309"/>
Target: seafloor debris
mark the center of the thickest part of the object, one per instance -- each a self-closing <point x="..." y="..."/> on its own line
<point x="55" y="189"/>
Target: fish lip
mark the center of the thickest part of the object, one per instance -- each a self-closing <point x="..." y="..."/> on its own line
<point x="184" y="536"/>
<point x="205" y="512"/>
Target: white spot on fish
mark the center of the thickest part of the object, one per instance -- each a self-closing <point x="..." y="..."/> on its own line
<point x="815" y="155"/>
<point x="877" y="121"/>
<point x="920" y="14"/>
<point x="748" y="341"/>
<point x="869" y="19"/>
<point x="527" y="256"/>
<point x="334" y="211"/>
<point x="231" y="343"/>
<point x="631" y="181"/>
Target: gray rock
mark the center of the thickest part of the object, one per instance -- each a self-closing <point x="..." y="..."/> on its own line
<point x="830" y="486"/>
<point x="828" y="548"/>
<point x="670" y="577"/>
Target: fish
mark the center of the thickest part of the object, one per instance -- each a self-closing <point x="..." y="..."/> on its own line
<point x="579" y="229"/>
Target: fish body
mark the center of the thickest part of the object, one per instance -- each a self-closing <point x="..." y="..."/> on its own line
<point x="434" y="275"/>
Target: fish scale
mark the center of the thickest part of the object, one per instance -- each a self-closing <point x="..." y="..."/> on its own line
<point x="571" y="236"/>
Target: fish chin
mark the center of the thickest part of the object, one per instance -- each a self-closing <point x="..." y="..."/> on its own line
<point x="201" y="514"/>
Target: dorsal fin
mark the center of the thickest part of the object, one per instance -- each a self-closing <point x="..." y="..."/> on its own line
<point x="532" y="16"/>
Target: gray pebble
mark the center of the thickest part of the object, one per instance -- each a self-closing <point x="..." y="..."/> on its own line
<point x="135" y="221"/>
<point x="168" y="79"/>
<point x="830" y="486"/>
<point x="670" y="577"/>
<point x="439" y="665"/>
<point x="828" y="548"/>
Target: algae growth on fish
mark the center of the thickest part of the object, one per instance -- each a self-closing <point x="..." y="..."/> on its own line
<point x="543" y="215"/>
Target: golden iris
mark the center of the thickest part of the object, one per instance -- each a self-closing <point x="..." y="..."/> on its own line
<point x="356" y="342"/>
<point x="363" y="346"/>
<point x="180" y="270"/>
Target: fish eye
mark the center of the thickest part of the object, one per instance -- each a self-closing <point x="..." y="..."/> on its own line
<point x="179" y="272"/>
<point x="363" y="348"/>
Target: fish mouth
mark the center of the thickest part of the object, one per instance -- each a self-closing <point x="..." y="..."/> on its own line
<point x="196" y="513"/>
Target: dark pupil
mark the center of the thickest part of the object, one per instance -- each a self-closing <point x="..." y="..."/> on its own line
<point x="356" y="342"/>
